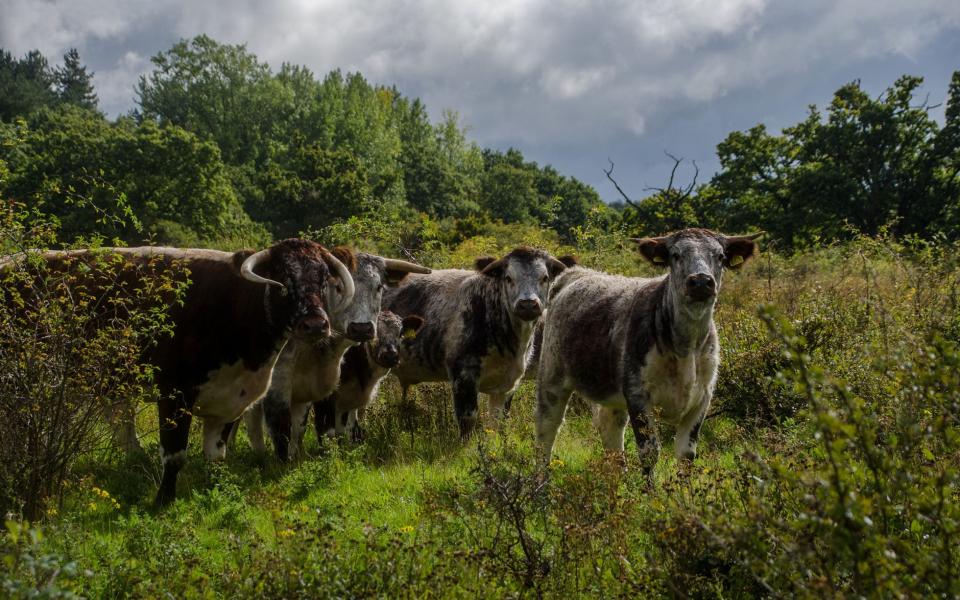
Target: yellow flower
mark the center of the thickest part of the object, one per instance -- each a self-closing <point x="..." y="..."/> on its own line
<point x="406" y="529"/>
<point x="285" y="533"/>
<point x="489" y="431"/>
<point x="557" y="464"/>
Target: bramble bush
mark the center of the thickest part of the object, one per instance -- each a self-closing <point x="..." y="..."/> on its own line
<point x="71" y="340"/>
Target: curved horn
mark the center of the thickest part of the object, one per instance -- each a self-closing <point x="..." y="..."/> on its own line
<point x="346" y="297"/>
<point x="246" y="269"/>
<point x="394" y="264"/>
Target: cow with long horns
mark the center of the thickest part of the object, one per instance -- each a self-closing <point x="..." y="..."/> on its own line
<point x="309" y="370"/>
<point x="236" y="314"/>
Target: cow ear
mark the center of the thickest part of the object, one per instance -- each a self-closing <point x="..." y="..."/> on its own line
<point x="569" y="260"/>
<point x="555" y="266"/>
<point x="411" y="325"/>
<point x="483" y="262"/>
<point x="738" y="250"/>
<point x="346" y="256"/>
<point x="493" y="269"/>
<point x="652" y="249"/>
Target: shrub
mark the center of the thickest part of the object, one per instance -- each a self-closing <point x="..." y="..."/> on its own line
<point x="71" y="338"/>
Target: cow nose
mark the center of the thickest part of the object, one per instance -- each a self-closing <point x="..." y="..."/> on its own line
<point x="528" y="308"/>
<point x="529" y="305"/>
<point x="701" y="284"/>
<point x="389" y="357"/>
<point x="361" y="332"/>
<point x="313" y="326"/>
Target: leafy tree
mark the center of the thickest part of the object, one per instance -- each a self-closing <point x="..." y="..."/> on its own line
<point x="218" y="91"/>
<point x="509" y="191"/>
<point x="25" y="84"/>
<point x="316" y="188"/>
<point x="166" y="174"/>
<point x="866" y="164"/>
<point x="74" y="84"/>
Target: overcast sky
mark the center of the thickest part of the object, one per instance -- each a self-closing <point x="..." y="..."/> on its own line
<point x="570" y="83"/>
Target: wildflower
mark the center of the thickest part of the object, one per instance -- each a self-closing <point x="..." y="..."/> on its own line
<point x="406" y="529"/>
<point x="285" y="533"/>
<point x="557" y="464"/>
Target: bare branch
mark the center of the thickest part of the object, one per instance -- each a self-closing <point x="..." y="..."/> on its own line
<point x="609" y="174"/>
<point x="693" y="184"/>
<point x="673" y="171"/>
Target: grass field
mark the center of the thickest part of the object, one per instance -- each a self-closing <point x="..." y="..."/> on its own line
<point x="829" y="470"/>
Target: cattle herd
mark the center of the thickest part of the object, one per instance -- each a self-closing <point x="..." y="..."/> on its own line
<point x="267" y="335"/>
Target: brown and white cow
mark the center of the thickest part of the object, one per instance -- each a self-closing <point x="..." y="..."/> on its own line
<point x="361" y="372"/>
<point x="236" y="315"/>
<point x="308" y="371"/>
<point x="478" y="327"/>
<point x="639" y="348"/>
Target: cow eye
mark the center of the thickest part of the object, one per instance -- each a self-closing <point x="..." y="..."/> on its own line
<point x="509" y="279"/>
<point x="675" y="255"/>
<point x="543" y="279"/>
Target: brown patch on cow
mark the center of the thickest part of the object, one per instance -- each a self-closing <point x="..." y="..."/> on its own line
<point x="345" y="255"/>
<point x="569" y="260"/>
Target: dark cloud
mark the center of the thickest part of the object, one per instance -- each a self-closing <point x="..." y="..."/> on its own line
<point x="568" y="82"/>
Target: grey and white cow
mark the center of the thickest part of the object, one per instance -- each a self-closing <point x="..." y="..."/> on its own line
<point x="639" y="348"/>
<point x="478" y="327"/>
<point x="362" y="370"/>
<point x="308" y="372"/>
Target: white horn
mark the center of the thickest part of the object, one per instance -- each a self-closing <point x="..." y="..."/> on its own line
<point x="346" y="297"/>
<point x="246" y="269"/>
<point x="401" y="265"/>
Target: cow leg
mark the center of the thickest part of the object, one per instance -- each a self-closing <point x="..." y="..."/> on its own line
<point x="253" y="420"/>
<point x="353" y="424"/>
<point x="325" y="417"/>
<point x="612" y="422"/>
<point x="464" y="377"/>
<point x="216" y="434"/>
<point x="174" y="433"/>
<point x="551" y="407"/>
<point x="299" y="414"/>
<point x="343" y="422"/>
<point x="643" y="425"/>
<point x="499" y="408"/>
<point x="687" y="434"/>
<point x="276" y="416"/>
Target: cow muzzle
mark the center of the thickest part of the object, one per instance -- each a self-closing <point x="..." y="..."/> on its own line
<point x="361" y="332"/>
<point x="388" y="357"/>
<point x="701" y="287"/>
<point x="528" y="310"/>
<point x="312" y="327"/>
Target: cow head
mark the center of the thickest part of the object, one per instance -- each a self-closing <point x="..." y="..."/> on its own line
<point x="305" y="284"/>
<point x="393" y="334"/>
<point x="371" y="274"/>
<point x="524" y="276"/>
<point x="696" y="259"/>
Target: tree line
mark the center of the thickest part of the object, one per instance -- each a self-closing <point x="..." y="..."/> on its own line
<point x="223" y="150"/>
